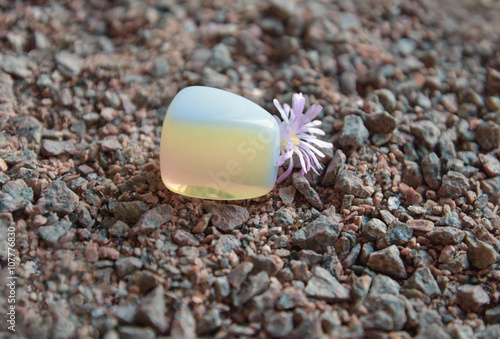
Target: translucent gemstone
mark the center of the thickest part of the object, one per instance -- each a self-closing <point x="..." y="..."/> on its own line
<point x="218" y="145"/>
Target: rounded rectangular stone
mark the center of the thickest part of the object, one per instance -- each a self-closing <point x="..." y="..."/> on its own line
<point x="218" y="145"/>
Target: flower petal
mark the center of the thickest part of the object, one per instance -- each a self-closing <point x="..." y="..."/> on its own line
<point x="298" y="103"/>
<point x="313" y="112"/>
<point x="302" y="163"/>
<point x="313" y="123"/>
<point x="296" y="123"/>
<point x="316" y="131"/>
<point x="286" y="108"/>
<point x="286" y="173"/>
<point x="307" y="159"/>
<point x="313" y="149"/>
<point x="282" y="158"/>
<point x="317" y="142"/>
<point x="280" y="109"/>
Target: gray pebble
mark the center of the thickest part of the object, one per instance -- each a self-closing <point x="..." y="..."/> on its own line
<point x="183" y="324"/>
<point x="127" y="265"/>
<point x="310" y="257"/>
<point x="52" y="233"/>
<point x="287" y="194"/>
<point x="366" y="251"/>
<point x="58" y="198"/>
<point x="491" y="331"/>
<point x="282" y="9"/>
<point x="354" y="133"/>
<point x="458" y="264"/>
<point x="472" y="298"/>
<point x="272" y="26"/>
<point x="16" y="65"/>
<point x="446" y="146"/>
<point x="153" y="219"/>
<point x="348" y="83"/>
<point x="410" y="64"/>
<point x="279" y="324"/>
<point x="405" y="46"/>
<point x="351" y="258"/>
<point x="58" y="147"/>
<point x="239" y="274"/>
<point x="299" y="270"/>
<point x="151" y="310"/>
<point x="330" y="320"/>
<point x="303" y="186"/>
<point x="446" y="235"/>
<point x="491" y="165"/>
<point x="269" y="263"/>
<point x="454" y="185"/>
<point x="210" y="322"/>
<point x="161" y="68"/>
<point x="226" y="243"/>
<point x="388" y="261"/>
<point x="290" y="298"/>
<point x="412" y="176"/>
<point x="427" y="132"/>
<point x="423" y="280"/>
<point x="451" y="218"/>
<point x="491" y="187"/>
<point x="349" y="183"/>
<point x="69" y="64"/>
<point x="424" y="101"/>
<point x="488" y="135"/>
<point x="285" y="46"/>
<point x="221" y="58"/>
<point x="388" y="100"/>
<point x="184" y="238"/>
<point x="492" y="315"/>
<point x="335" y="167"/>
<point x="480" y="253"/>
<point x="374" y="229"/>
<point x="283" y="217"/>
<point x="15" y="195"/>
<point x="347" y="200"/>
<point x="221" y="287"/>
<point x="380" y="123"/>
<point x="382" y="284"/>
<point x="324" y="286"/>
<point x="387" y="216"/>
<point x="212" y="78"/>
<point x="43" y="81"/>
<point x="226" y="217"/>
<point x="386" y="312"/>
<point x="431" y="170"/>
<point x="119" y="229"/>
<point x="256" y="285"/>
<point x="318" y="235"/>
<point x="434" y="330"/>
<point x="128" y="211"/>
<point x="398" y="233"/>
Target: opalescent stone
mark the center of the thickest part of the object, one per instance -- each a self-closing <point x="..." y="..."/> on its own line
<point x="218" y="145"/>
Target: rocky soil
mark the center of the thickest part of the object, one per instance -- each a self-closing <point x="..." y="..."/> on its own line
<point x="398" y="238"/>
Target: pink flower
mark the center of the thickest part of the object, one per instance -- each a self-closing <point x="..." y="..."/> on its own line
<point x="298" y="135"/>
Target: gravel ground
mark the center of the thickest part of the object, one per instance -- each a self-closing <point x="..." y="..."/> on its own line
<point x="398" y="238"/>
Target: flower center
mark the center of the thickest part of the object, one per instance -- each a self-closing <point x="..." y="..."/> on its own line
<point x="294" y="139"/>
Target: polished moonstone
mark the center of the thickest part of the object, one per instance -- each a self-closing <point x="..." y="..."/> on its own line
<point x="218" y="145"/>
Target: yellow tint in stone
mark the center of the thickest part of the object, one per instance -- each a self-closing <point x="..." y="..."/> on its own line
<point x="218" y="145"/>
